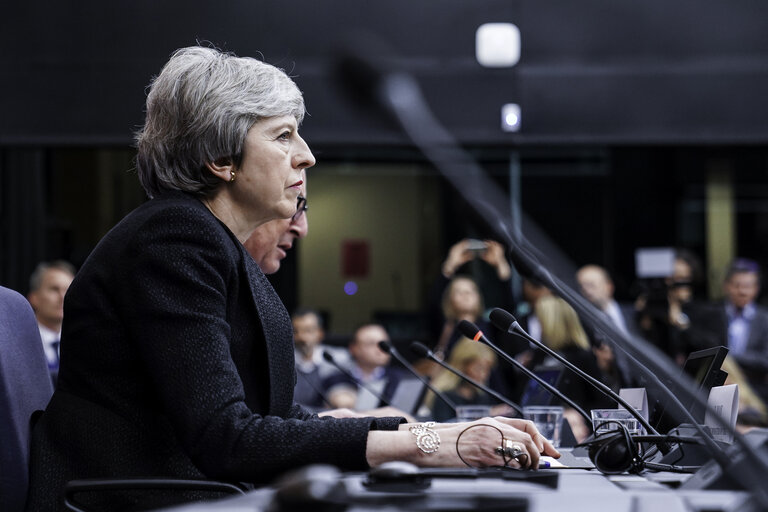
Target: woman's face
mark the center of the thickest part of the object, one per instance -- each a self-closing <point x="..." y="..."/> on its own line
<point x="270" y="175"/>
<point x="682" y="274"/>
<point x="464" y="296"/>
<point x="479" y="369"/>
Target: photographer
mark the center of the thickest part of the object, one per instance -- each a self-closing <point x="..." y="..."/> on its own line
<point x="665" y="307"/>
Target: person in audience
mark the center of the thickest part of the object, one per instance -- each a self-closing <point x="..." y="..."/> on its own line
<point x="753" y="411"/>
<point x="369" y="369"/>
<point x="562" y="332"/>
<point x="176" y="351"/>
<point x="476" y="361"/>
<point x="533" y="290"/>
<point x="512" y="380"/>
<point x="455" y="297"/>
<point x="47" y="286"/>
<point x="312" y="370"/>
<point x="597" y="287"/>
<point x="461" y="298"/>
<point x="667" y="312"/>
<point x="741" y="324"/>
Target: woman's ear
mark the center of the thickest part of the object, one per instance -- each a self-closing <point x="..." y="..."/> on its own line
<point x="223" y="168"/>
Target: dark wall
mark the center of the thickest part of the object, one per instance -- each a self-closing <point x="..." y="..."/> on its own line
<point x="591" y="71"/>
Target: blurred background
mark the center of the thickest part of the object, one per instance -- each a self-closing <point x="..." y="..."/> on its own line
<point x="615" y="125"/>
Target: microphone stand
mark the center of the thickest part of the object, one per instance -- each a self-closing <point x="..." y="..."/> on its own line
<point x="388" y="347"/>
<point x="329" y="357"/>
<point x="506" y="322"/>
<point x="472" y="332"/>
<point x="422" y="350"/>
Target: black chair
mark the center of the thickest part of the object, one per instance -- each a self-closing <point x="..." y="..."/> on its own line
<point x="25" y="387"/>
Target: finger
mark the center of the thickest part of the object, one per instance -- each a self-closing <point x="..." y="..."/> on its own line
<point x="525" y="441"/>
<point x="525" y="425"/>
<point x="533" y="453"/>
<point x="542" y="444"/>
<point x="549" y="449"/>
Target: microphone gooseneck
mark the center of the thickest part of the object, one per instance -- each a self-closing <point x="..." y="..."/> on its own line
<point x="329" y="357"/>
<point x="473" y="332"/>
<point x="389" y="348"/>
<point x="400" y="95"/>
<point x="421" y="350"/>
<point x="507" y="323"/>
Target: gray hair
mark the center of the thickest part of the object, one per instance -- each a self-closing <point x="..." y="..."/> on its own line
<point x="199" y="109"/>
<point x="36" y="279"/>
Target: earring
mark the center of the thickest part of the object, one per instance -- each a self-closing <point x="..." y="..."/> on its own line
<point x="232" y="176"/>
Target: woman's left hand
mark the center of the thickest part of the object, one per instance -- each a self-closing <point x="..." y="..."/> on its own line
<point x="541" y="442"/>
<point x="494" y="256"/>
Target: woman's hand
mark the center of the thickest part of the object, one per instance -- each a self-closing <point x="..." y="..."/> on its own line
<point x="495" y="257"/>
<point x="477" y="444"/>
<point x="457" y="256"/>
<point x="541" y="442"/>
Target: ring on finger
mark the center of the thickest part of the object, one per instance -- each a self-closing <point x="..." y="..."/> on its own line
<point x="512" y="451"/>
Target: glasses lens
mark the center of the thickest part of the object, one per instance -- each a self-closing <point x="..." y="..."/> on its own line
<point x="301" y="207"/>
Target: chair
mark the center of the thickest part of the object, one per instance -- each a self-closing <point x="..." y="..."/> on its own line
<point x="25" y="387"/>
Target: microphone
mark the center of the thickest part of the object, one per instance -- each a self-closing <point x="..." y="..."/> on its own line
<point x="472" y="332"/>
<point x="423" y="351"/>
<point x="507" y="323"/>
<point x="386" y="346"/>
<point x="329" y="357"/>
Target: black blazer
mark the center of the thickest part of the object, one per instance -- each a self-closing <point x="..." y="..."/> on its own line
<point x="177" y="360"/>
<point x="712" y="325"/>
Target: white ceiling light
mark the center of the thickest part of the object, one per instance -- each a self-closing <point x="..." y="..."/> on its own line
<point x="497" y="45"/>
<point x="510" y="117"/>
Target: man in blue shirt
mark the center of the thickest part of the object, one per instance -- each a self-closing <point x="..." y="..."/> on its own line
<point x="741" y="324"/>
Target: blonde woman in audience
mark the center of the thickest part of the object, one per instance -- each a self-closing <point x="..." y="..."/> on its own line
<point x="752" y="410"/>
<point x="562" y="331"/>
<point x="476" y="361"/>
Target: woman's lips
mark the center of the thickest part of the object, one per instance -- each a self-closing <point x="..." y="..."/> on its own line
<point x="298" y="184"/>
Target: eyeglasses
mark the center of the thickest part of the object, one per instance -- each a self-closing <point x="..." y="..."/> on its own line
<point x="301" y="207"/>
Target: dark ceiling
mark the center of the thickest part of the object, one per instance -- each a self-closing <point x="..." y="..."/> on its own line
<point x="591" y="71"/>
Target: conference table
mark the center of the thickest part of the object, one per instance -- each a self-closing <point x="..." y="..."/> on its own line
<point x="576" y="488"/>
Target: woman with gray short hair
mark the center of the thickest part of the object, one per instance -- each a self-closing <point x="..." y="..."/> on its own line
<point x="176" y="353"/>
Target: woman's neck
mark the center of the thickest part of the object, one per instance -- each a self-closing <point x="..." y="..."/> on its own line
<point x="224" y="208"/>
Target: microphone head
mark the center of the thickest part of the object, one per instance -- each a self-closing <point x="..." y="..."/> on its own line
<point x="420" y="349"/>
<point x="386" y="346"/>
<point x="328" y="357"/>
<point x="503" y="320"/>
<point x="469" y="329"/>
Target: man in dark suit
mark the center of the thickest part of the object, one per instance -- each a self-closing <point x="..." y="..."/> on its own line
<point x="739" y="323"/>
<point x="47" y="287"/>
<point x="270" y="242"/>
<point x="597" y="287"/>
<point x="370" y="368"/>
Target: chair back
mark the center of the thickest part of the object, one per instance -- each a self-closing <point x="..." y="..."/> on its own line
<point x="25" y="387"/>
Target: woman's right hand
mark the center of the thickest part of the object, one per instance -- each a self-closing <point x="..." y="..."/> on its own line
<point x="476" y="444"/>
<point x="457" y="256"/>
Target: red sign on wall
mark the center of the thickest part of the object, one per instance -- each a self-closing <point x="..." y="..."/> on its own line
<point x="355" y="258"/>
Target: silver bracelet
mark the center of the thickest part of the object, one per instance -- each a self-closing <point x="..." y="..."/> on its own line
<point x="427" y="440"/>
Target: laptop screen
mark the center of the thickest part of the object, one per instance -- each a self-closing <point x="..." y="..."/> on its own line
<point x="408" y="395"/>
<point x="536" y="394"/>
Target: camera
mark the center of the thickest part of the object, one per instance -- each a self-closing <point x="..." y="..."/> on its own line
<point x="476" y="247"/>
